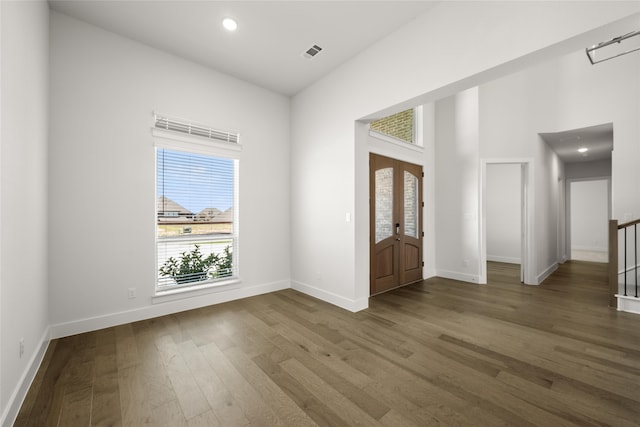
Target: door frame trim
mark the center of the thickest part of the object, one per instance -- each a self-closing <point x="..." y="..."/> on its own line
<point x="527" y="266"/>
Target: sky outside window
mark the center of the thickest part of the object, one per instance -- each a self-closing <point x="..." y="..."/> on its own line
<point x="195" y="181"/>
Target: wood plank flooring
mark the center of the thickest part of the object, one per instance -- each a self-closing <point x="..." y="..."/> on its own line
<point x="439" y="352"/>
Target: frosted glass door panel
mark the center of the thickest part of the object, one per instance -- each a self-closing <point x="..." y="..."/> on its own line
<point x="384" y="204"/>
<point x="410" y="205"/>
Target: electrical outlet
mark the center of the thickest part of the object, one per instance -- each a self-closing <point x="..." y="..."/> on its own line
<point x="132" y="293"/>
<point x="21" y="347"/>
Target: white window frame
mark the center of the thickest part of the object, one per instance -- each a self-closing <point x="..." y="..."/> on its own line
<point x="164" y="139"/>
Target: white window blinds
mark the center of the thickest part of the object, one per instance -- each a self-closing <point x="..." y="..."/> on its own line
<point x="195" y="196"/>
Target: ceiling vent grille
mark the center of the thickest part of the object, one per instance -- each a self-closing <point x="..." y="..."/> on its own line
<point x="312" y="51"/>
<point x="190" y="128"/>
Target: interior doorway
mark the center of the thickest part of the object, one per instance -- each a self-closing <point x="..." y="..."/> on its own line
<point x="505" y="210"/>
<point x="589" y="212"/>
<point x="396" y="223"/>
<point x="504" y="213"/>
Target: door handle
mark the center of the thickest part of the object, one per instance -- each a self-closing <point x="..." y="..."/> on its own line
<point x="397" y="228"/>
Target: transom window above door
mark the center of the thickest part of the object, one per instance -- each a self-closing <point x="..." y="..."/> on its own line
<point x="400" y="127"/>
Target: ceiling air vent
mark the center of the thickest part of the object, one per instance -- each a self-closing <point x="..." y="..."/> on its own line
<point x="312" y="51"/>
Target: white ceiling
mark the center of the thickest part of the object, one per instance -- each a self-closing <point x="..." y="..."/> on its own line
<point x="598" y="139"/>
<point x="267" y="47"/>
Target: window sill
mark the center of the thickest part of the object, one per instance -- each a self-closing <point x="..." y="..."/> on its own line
<point x="194" y="291"/>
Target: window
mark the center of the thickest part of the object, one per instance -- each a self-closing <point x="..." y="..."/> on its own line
<point x="400" y="127"/>
<point x="195" y="222"/>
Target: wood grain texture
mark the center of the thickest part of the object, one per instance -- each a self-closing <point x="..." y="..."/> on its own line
<point x="438" y="352"/>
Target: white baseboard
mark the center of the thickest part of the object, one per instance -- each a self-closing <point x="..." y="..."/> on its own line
<point x="335" y="299"/>
<point x="455" y="275"/>
<point x="160" y="309"/>
<point x="428" y="274"/>
<point x="590" y="248"/>
<point x="505" y="259"/>
<point x="546" y="273"/>
<point x="628" y="304"/>
<point x="20" y="392"/>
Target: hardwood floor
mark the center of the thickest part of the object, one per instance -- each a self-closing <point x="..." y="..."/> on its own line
<point x="435" y="353"/>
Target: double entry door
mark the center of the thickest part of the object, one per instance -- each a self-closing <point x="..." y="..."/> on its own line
<point x="396" y="223"/>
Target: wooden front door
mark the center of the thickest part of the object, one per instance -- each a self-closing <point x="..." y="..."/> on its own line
<point x="396" y="223"/>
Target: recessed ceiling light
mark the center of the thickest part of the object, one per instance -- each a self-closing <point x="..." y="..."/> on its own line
<point x="583" y="150"/>
<point x="229" y="24"/>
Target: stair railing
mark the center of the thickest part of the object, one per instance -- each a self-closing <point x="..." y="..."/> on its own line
<point x="629" y="232"/>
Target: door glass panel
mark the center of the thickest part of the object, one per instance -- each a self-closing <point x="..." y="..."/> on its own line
<point x="410" y="205"/>
<point x="384" y="203"/>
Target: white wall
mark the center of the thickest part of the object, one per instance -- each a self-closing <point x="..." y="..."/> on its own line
<point x="330" y="168"/>
<point x="23" y="198"/>
<point x="503" y="212"/>
<point x="587" y="171"/>
<point x="457" y="172"/>
<point x="613" y="96"/>
<point x="593" y="169"/>
<point x="104" y="89"/>
<point x="589" y="215"/>
<point x="550" y="98"/>
<point x="513" y="110"/>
